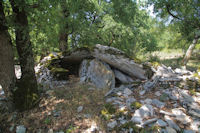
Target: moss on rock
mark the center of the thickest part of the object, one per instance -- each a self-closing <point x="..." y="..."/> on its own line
<point x="136" y="105"/>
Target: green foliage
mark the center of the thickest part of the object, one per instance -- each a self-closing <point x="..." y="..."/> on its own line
<point x="116" y="23"/>
<point x="107" y="111"/>
<point x="47" y="121"/>
<point x="184" y="14"/>
<point x="70" y="129"/>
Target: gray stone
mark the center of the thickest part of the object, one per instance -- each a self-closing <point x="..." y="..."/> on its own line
<point x="112" y="99"/>
<point x="116" y="90"/>
<point x="98" y="73"/>
<point x="166" y="113"/>
<point x="158" y="103"/>
<point x="148" y="101"/>
<point x="142" y="92"/>
<point x="189" y="131"/>
<point x="151" y="84"/>
<point x="118" y="61"/>
<point x="136" y="119"/>
<point x="171" y="123"/>
<point x="143" y="112"/>
<point x="157" y="93"/>
<point x="180" y="116"/>
<point x="127" y="92"/>
<point x="20" y="129"/>
<point x="147" y="122"/>
<point x="170" y="130"/>
<point x="163" y="131"/>
<point x="79" y="109"/>
<point x="123" y="78"/>
<point x="193" y="113"/>
<point x="129" y="101"/>
<point x="175" y="105"/>
<point x="195" y="107"/>
<point x="164" y="97"/>
<point x="161" y="123"/>
<point x="112" y="124"/>
<point x="195" y="125"/>
<point x="123" y="121"/>
<point x="174" y="95"/>
<point x="186" y="96"/>
<point x="88" y="116"/>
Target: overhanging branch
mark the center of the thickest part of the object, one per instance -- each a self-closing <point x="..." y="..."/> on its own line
<point x="170" y="13"/>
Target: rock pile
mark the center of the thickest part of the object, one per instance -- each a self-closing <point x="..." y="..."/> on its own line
<point x="167" y="103"/>
<point x="103" y="66"/>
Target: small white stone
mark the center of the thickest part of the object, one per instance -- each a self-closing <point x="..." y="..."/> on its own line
<point x="79" y="109"/>
<point x="21" y="129"/>
<point x="195" y="125"/>
<point x="180" y="116"/>
<point x="127" y="92"/>
<point x="144" y="112"/>
<point x="157" y="93"/>
<point x="147" y="122"/>
<point x="112" y="124"/>
<point x="119" y="93"/>
<point x="136" y="119"/>
<point x="142" y="92"/>
<point x="148" y="101"/>
<point x="166" y="113"/>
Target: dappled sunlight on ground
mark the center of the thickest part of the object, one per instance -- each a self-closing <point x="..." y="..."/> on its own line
<point x="58" y="110"/>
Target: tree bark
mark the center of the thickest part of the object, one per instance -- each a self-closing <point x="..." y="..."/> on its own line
<point x="26" y="94"/>
<point x="63" y="40"/>
<point x="190" y="50"/>
<point x="7" y="71"/>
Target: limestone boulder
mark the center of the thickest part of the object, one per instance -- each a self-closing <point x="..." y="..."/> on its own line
<point x="97" y="73"/>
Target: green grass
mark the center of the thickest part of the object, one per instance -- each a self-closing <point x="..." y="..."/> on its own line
<point x="173" y="58"/>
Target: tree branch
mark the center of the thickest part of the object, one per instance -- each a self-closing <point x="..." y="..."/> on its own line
<point x="170" y="13"/>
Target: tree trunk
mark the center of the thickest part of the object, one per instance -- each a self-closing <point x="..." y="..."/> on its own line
<point x="7" y="72"/>
<point x="190" y="50"/>
<point x="26" y="94"/>
<point x="63" y="40"/>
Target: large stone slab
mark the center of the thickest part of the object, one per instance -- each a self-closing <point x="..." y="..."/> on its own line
<point x="98" y="73"/>
<point x="123" y="78"/>
<point x="117" y="59"/>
